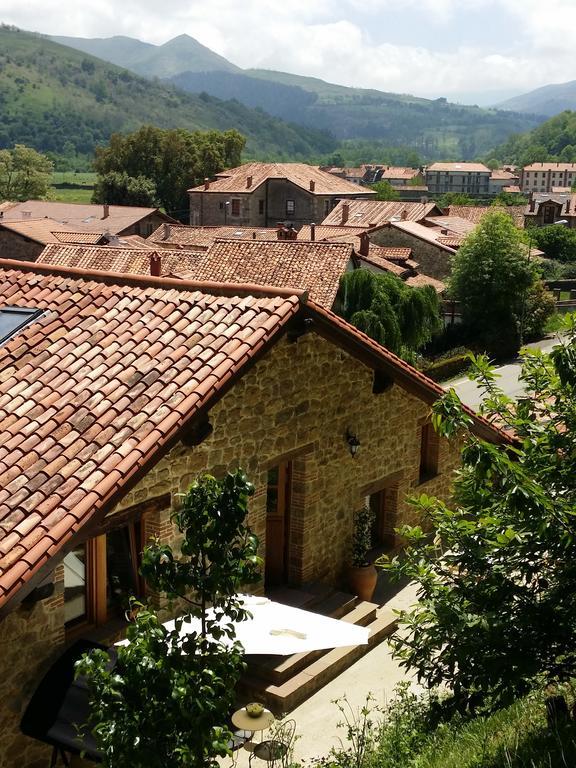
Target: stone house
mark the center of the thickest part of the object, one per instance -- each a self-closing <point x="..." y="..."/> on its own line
<point x="262" y="194"/>
<point x="432" y="247"/>
<point x="115" y="392"/>
<point x="26" y="239"/>
<point x="546" y="209"/>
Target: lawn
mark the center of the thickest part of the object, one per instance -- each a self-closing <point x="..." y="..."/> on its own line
<point x="72" y="187"/>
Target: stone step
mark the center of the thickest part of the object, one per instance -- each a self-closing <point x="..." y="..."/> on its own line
<point x="278" y="669"/>
<point x="283" y="698"/>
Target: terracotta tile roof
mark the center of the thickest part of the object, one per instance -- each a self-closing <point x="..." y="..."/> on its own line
<point x="561" y="190"/>
<point x="46" y="231"/>
<point x="87" y="218"/>
<point x="499" y="175"/>
<point x="246" y="178"/>
<point x="92" y="392"/>
<point x="332" y="233"/>
<point x="374" y="213"/>
<point x="456" y="225"/>
<point x="399" y="173"/>
<point x="375" y="259"/>
<point x="132" y="241"/>
<point x="419" y="281"/>
<point x="513" y="189"/>
<point x="315" y="267"/>
<point x="550" y="167"/>
<point x="182" y="235"/>
<point x="458" y="167"/>
<point x="98" y="389"/>
<point x="452" y="242"/>
<point x="475" y="213"/>
<point x="121" y="260"/>
<point x="427" y="234"/>
<point x="78" y="237"/>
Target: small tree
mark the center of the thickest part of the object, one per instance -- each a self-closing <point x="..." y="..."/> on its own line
<point x="167" y="699"/>
<point x="24" y="173"/>
<point x="120" y="189"/>
<point x="384" y="191"/>
<point x="497" y="579"/>
<point x="491" y="278"/>
<point x="395" y="315"/>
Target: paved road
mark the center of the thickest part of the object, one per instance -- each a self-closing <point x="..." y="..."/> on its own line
<point x="508" y="379"/>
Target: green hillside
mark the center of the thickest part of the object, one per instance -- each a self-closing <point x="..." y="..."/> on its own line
<point x="436" y="129"/>
<point x="57" y="99"/>
<point x="553" y="141"/>
<point x="183" y="53"/>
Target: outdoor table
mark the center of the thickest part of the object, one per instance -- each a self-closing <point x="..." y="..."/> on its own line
<point x="245" y="722"/>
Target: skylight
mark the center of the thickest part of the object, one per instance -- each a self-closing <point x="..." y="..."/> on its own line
<point x="15" y="319"/>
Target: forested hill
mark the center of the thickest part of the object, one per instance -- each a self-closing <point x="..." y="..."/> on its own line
<point x="58" y="99"/>
<point x="553" y="141"/>
<point x="436" y="129"/>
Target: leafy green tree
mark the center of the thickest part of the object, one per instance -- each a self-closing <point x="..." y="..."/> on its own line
<point x="167" y="699"/>
<point x="174" y="160"/>
<point x="491" y="277"/>
<point x="120" y="189"/>
<point x="497" y="577"/>
<point x="557" y="242"/>
<point x="24" y="174"/>
<point x="395" y="315"/>
<point x="455" y="198"/>
<point x="385" y="191"/>
<point x="509" y="198"/>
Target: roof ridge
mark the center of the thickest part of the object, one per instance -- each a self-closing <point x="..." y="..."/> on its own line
<point x="148" y="281"/>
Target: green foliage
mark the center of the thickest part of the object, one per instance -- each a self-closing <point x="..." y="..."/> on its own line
<point x="497" y="580"/>
<point x="455" y="198"/>
<point x="362" y="536"/>
<point x="553" y="141"/>
<point x="509" y="198"/>
<point x="540" y="307"/>
<point x="385" y="191"/>
<point x="172" y="160"/>
<point x="120" y="189"/>
<point x="556" y="241"/>
<point x="24" y="173"/>
<point x="393" y="314"/>
<point x="491" y="278"/>
<point x="167" y="699"/>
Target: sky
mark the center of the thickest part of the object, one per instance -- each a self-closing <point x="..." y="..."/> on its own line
<point x="466" y="50"/>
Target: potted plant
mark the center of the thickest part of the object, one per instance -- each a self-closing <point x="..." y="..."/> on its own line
<point x="362" y="573"/>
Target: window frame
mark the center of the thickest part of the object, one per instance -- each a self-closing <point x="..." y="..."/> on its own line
<point x="290" y="208"/>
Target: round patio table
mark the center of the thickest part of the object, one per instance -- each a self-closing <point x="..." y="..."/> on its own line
<point x="241" y="719"/>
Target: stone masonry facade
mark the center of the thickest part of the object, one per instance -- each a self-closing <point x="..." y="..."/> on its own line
<point x="433" y="260"/>
<point x="296" y="403"/>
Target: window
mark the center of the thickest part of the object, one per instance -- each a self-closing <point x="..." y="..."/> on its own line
<point x="290" y="207"/>
<point x="14" y="319"/>
<point x="235" y="206"/>
<point x="101" y="575"/>
<point x="261" y="207"/>
<point x="429" y="453"/>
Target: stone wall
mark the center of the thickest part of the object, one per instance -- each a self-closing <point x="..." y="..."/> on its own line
<point x="433" y="261"/>
<point x="13" y="246"/>
<point x="297" y="402"/>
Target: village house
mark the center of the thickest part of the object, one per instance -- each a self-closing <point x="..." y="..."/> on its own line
<point x="116" y="391"/>
<point x="501" y="181"/>
<point x="545" y="209"/>
<point x="463" y="178"/>
<point x="369" y="214"/>
<point x="262" y="194"/>
<point x="543" y="177"/>
<point x="26" y="239"/>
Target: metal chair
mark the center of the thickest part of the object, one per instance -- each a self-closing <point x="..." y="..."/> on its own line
<point x="277" y="750"/>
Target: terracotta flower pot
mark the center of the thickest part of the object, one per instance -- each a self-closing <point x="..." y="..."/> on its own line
<point x="363" y="580"/>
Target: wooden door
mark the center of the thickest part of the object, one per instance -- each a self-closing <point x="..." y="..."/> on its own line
<point x="278" y="524"/>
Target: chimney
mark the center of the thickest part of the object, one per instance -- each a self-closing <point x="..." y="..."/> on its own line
<point x="532" y="206"/>
<point x="345" y="213"/>
<point x="568" y="205"/>
<point x="248" y="182"/>
<point x="206" y="183"/>
<point x="166" y="231"/>
<point x="313" y="232"/>
<point x="253" y="235"/>
<point x="155" y="264"/>
<point x="106" y="211"/>
<point x="280" y="230"/>
<point x="312" y="185"/>
<point x="443" y="231"/>
<point x="404" y="214"/>
<point x="364" y="244"/>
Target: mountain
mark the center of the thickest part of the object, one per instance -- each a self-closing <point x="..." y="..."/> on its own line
<point x="182" y="54"/>
<point x="58" y="99"/>
<point x="548" y="100"/>
<point x="435" y="128"/>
